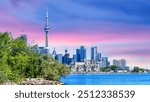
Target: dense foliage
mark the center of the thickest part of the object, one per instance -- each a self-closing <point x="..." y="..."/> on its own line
<point x="138" y="70"/>
<point x="18" y="61"/>
<point x="109" y="68"/>
<point x="115" y="68"/>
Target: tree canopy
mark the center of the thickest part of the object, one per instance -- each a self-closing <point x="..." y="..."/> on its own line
<point x="138" y="70"/>
<point x="18" y="61"/>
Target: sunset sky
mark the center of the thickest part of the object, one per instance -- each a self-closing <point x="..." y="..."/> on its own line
<point x="119" y="28"/>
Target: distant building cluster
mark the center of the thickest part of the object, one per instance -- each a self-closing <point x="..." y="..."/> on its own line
<point x="79" y="62"/>
<point x="120" y="64"/>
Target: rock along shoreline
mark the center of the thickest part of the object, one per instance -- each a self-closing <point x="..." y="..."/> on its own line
<point x="35" y="81"/>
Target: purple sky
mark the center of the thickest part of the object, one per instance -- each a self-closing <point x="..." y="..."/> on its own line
<point x="120" y="28"/>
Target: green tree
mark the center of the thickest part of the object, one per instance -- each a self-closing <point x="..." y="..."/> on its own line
<point x="141" y="70"/>
<point x="18" y="61"/>
<point x="113" y="67"/>
<point x="5" y="73"/>
<point x="18" y="57"/>
<point x="138" y="70"/>
<point x="53" y="70"/>
<point x="103" y="69"/>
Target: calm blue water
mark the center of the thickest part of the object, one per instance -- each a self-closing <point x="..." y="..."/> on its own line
<point x="106" y="79"/>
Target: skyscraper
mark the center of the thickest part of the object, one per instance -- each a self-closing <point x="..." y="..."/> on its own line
<point x="115" y="62"/>
<point x="122" y="62"/>
<point x="74" y="58"/>
<point x="119" y="63"/>
<point x="94" y="54"/>
<point x="59" y="58"/>
<point x="66" y="51"/>
<point x="78" y="54"/>
<point x="41" y="50"/>
<point x="46" y="29"/>
<point x="54" y="53"/>
<point x="105" y="62"/>
<point x="98" y="57"/>
<point x="66" y="59"/>
<point x="82" y="54"/>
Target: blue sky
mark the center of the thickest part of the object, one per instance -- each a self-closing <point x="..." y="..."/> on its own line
<point x="120" y="28"/>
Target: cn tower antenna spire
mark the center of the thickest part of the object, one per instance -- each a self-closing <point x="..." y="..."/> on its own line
<point x="46" y="29"/>
<point x="46" y="16"/>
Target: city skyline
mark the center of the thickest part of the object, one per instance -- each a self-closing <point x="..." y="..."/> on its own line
<point x="118" y="28"/>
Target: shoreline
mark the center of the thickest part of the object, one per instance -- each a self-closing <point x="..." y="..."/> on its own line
<point x="42" y="81"/>
<point x="111" y="73"/>
<point x="34" y="81"/>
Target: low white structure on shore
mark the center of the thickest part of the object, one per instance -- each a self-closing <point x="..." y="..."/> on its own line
<point x="83" y="67"/>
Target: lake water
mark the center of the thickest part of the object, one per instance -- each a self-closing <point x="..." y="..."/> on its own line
<point x="106" y="79"/>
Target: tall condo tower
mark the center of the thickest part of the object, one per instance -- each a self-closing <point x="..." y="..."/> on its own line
<point x="46" y="29"/>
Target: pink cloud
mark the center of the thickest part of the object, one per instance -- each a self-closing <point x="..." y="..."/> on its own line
<point x="78" y="37"/>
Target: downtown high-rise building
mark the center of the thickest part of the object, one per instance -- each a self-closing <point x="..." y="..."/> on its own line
<point x="119" y="63"/>
<point x="66" y="57"/>
<point x="74" y="58"/>
<point x="54" y="53"/>
<point x="122" y="62"/>
<point x="94" y="54"/>
<point x="41" y="50"/>
<point x="59" y="58"/>
<point x="99" y="57"/>
<point x="82" y="54"/>
<point x="104" y="62"/>
<point x="115" y="62"/>
<point x="78" y="55"/>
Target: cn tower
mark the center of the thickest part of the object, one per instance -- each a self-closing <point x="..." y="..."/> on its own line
<point x="46" y="29"/>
